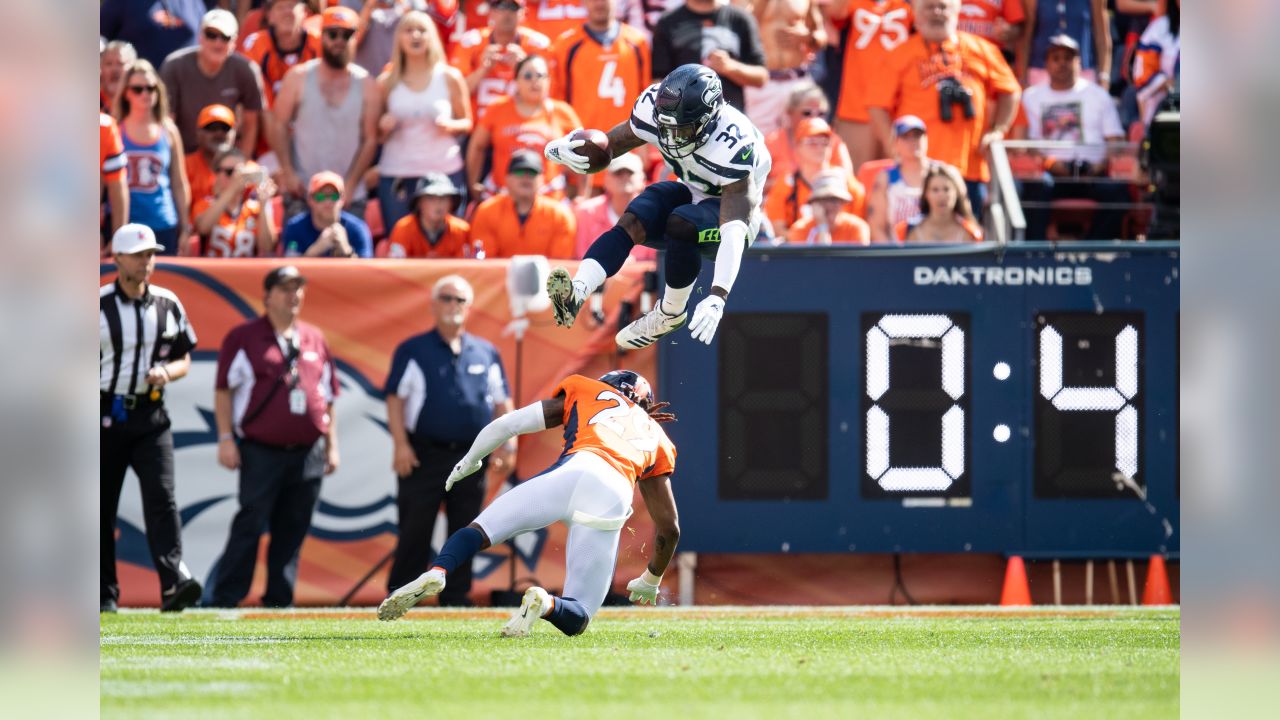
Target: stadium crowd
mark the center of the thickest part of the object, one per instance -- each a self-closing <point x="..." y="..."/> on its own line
<point x="402" y="128"/>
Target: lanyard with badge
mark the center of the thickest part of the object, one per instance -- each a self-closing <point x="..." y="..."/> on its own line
<point x="297" y="396"/>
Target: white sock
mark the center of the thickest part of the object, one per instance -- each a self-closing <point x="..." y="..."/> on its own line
<point x="590" y="276"/>
<point x="674" y="300"/>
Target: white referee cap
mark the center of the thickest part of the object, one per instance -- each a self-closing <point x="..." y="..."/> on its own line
<point x="134" y="238"/>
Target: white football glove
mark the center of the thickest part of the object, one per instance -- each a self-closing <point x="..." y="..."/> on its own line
<point x="644" y="589"/>
<point x="561" y="151"/>
<point x="461" y="470"/>
<point x="706" y="318"/>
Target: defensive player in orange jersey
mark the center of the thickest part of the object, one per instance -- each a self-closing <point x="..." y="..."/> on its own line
<point x="612" y="442"/>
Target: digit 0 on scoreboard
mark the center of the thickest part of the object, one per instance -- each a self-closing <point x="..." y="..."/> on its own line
<point x="1088" y="404"/>
<point x="915" y="405"/>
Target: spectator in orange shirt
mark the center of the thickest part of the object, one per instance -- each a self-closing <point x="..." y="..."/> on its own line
<point x="806" y="101"/>
<point x="599" y="67"/>
<point x="788" y="199"/>
<point x="430" y="230"/>
<point x="488" y="56"/>
<point x="113" y="166"/>
<point x="235" y="221"/>
<point x="827" y="221"/>
<point x="1000" y="21"/>
<point x="215" y="132"/>
<point x="520" y="221"/>
<point x="876" y="28"/>
<point x="623" y="181"/>
<point x="946" y="77"/>
<point x="529" y="119"/>
<point x="112" y="61"/>
<point x="945" y="215"/>
<point x="473" y="15"/>
<point x="280" y="45"/>
<point x="555" y="17"/>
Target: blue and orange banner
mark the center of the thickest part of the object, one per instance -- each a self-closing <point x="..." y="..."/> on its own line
<point x="365" y="309"/>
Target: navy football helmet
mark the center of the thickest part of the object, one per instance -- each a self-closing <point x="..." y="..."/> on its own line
<point x="688" y="104"/>
<point x="632" y="385"/>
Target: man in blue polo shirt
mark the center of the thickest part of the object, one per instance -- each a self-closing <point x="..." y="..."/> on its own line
<point x="445" y="386"/>
<point x="325" y="229"/>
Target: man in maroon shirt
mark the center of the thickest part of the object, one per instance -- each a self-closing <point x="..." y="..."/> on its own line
<point x="274" y="407"/>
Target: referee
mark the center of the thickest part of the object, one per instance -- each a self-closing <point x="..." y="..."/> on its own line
<point x="145" y="343"/>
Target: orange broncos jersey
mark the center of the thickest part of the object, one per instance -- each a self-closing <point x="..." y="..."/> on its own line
<point x="600" y="82"/>
<point x="111" y="158"/>
<point x="600" y="420"/>
<point x="500" y="80"/>
<point x="978" y="17"/>
<point x="474" y="15"/>
<point x="260" y="47"/>
<point x="876" y="29"/>
<point x="509" y="131"/>
<point x="553" y="17"/>
<point x="235" y="235"/>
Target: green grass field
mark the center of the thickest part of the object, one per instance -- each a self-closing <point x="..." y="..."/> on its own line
<point x="657" y="663"/>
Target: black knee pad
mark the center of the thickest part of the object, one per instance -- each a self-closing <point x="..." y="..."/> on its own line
<point x="681" y="230"/>
<point x="633" y="227"/>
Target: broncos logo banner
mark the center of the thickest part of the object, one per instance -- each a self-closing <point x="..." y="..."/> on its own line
<point x="365" y="309"/>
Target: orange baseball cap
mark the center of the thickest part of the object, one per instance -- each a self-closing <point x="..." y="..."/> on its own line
<point x="326" y="177"/>
<point x="809" y="127"/>
<point x="216" y="114"/>
<point x="339" y="17"/>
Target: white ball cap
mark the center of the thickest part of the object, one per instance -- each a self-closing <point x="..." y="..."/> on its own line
<point x="222" y="21"/>
<point x="134" y="238"/>
<point x="627" y="162"/>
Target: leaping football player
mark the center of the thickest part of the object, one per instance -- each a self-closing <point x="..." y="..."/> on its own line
<point x="612" y="443"/>
<point x="713" y="209"/>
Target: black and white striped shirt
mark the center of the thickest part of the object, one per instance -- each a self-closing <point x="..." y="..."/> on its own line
<point x="128" y="332"/>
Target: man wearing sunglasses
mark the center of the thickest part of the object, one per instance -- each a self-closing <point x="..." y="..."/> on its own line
<point x="325" y="229"/>
<point x="444" y="387"/>
<point x="215" y="132"/>
<point x="325" y="116"/>
<point x="212" y="74"/>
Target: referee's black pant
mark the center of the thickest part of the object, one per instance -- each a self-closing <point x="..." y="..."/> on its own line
<point x="141" y="441"/>
<point x="418" y="499"/>
<point x="279" y="489"/>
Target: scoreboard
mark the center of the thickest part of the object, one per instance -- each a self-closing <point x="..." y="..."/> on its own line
<point x="934" y="400"/>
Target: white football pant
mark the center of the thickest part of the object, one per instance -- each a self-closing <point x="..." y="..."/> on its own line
<point x="591" y="498"/>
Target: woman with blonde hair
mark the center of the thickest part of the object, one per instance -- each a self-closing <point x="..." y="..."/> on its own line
<point x="945" y="215"/>
<point x="159" y="196"/>
<point x="426" y="108"/>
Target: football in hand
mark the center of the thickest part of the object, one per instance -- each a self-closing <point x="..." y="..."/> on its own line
<point x="595" y="149"/>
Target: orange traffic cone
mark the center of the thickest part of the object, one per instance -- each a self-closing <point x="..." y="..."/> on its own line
<point x="1156" y="591"/>
<point x="1016" y="590"/>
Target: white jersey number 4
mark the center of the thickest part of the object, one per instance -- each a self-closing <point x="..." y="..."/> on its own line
<point x="611" y="87"/>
